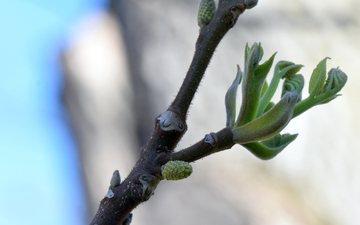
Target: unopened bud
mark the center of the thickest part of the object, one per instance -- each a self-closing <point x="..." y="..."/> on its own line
<point x="176" y="170"/>
<point x="206" y="12"/>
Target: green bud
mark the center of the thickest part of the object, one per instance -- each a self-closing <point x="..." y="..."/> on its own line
<point x="322" y="90"/>
<point x="206" y="12"/>
<point x="176" y="170"/>
<point x="335" y="81"/>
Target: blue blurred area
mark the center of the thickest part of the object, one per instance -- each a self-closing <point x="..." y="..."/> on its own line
<point x="40" y="180"/>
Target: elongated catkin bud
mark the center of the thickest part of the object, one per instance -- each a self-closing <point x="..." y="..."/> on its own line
<point x="206" y="12"/>
<point x="176" y="170"/>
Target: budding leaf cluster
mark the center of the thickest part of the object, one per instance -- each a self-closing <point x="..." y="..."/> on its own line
<point x="259" y="122"/>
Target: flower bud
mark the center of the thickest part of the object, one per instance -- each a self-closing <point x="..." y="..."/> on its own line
<point x="206" y="12"/>
<point x="176" y="170"/>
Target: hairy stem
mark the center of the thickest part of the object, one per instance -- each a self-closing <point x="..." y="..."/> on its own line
<point x="209" y="38"/>
<point x="210" y="144"/>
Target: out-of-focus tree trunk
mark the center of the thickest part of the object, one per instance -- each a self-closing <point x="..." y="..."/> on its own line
<point x="99" y="99"/>
<point x="135" y="36"/>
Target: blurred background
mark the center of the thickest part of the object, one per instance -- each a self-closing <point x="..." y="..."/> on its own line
<point x="82" y="81"/>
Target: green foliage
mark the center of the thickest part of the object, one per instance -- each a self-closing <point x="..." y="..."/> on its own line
<point x="322" y="89"/>
<point x="230" y="99"/>
<point x="282" y="69"/>
<point x="269" y="148"/>
<point x="318" y="77"/>
<point x="253" y="81"/>
<point x="269" y="124"/>
<point x="260" y="121"/>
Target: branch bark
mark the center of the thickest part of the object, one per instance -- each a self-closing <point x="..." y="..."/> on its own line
<point x="170" y="126"/>
<point x="210" y="36"/>
<point x="210" y="144"/>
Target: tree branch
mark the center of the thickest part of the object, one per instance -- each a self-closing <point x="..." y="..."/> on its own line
<point x="170" y="126"/>
<point x="209" y="38"/>
<point x="210" y="144"/>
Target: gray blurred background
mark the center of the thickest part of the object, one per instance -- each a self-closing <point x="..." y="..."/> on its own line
<point x="125" y="66"/>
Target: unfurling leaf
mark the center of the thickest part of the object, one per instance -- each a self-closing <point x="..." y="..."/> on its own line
<point x="294" y="83"/>
<point x="283" y="69"/>
<point x="230" y="99"/>
<point x="335" y="81"/>
<point x="252" y="84"/>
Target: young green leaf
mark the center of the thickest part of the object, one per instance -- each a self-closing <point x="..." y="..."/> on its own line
<point x="246" y="52"/>
<point x="265" y="67"/>
<point x="252" y="85"/>
<point x="269" y="124"/>
<point x="269" y="106"/>
<point x="230" y="99"/>
<point x="269" y="148"/>
<point x="317" y="79"/>
<point x="264" y="88"/>
<point x="282" y="70"/>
